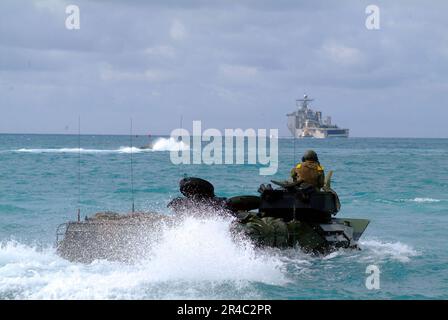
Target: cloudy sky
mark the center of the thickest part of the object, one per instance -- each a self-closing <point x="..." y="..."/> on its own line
<point x="228" y="63"/>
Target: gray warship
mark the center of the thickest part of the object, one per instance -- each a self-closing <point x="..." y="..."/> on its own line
<point x="286" y="215"/>
<point x="307" y="123"/>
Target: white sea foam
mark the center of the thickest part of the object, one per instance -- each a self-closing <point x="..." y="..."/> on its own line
<point x="81" y="150"/>
<point x="130" y="150"/>
<point x="60" y="150"/>
<point x="423" y="200"/>
<point x="170" y="144"/>
<point x="161" y="144"/>
<point x="375" y="249"/>
<point x="196" y="259"/>
<point x="418" y="200"/>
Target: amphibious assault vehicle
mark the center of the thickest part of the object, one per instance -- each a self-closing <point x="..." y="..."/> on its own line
<point x="288" y="215"/>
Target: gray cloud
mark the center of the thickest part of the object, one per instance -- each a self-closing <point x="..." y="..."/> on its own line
<point x="230" y="64"/>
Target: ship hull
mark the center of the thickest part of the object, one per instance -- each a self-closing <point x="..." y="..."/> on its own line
<point x="319" y="133"/>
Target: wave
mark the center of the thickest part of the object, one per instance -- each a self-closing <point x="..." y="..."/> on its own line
<point x="196" y="259"/>
<point x="372" y="250"/>
<point x="161" y="144"/>
<point x="422" y="200"/>
<point x="81" y="150"/>
<point x="378" y="250"/>
<point x="418" y="200"/>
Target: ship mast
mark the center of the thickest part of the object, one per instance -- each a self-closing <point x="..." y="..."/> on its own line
<point x="303" y="103"/>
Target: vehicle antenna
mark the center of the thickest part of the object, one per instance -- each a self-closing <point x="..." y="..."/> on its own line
<point x="294" y="154"/>
<point x="79" y="168"/>
<point x="181" y="126"/>
<point x="132" y="174"/>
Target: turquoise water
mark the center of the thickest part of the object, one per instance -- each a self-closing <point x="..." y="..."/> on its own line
<point x="399" y="184"/>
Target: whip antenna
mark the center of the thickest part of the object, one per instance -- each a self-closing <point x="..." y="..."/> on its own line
<point x="294" y="154"/>
<point x="132" y="175"/>
<point x="79" y="168"/>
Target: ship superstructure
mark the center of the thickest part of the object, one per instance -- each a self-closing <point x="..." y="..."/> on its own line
<point x="307" y="123"/>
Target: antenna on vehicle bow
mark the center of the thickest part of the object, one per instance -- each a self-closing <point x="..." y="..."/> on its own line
<point x="79" y="168"/>
<point x="132" y="173"/>
<point x="294" y="154"/>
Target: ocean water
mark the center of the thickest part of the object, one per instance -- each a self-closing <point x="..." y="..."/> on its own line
<point x="401" y="185"/>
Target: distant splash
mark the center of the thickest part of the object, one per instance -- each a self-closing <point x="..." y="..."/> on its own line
<point x="161" y="144"/>
<point x="170" y="144"/>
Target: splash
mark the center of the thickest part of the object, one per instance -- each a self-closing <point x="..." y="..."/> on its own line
<point x="195" y="259"/>
<point x="204" y="249"/>
<point x="170" y="144"/>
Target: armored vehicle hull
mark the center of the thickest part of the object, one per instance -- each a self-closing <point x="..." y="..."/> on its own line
<point x="111" y="236"/>
<point x="286" y="217"/>
<point x="309" y="236"/>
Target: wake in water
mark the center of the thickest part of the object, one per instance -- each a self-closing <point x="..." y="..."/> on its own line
<point x="379" y="251"/>
<point x="161" y="144"/>
<point x="421" y="200"/>
<point x="81" y="150"/>
<point x="415" y="200"/>
<point x="196" y="259"/>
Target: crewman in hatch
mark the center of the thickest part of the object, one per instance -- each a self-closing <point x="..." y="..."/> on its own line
<point x="309" y="170"/>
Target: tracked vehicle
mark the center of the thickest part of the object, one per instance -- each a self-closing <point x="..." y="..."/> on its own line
<point x="288" y="215"/>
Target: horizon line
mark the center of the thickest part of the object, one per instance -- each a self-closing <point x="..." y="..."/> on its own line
<point x="167" y="135"/>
